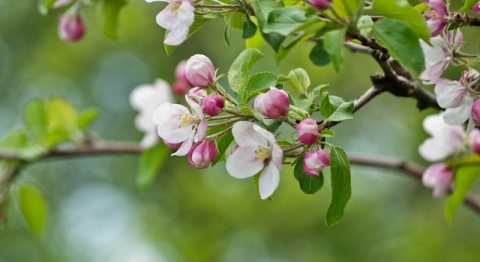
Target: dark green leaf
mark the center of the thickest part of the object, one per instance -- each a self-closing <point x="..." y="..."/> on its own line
<point x="197" y="24"/>
<point x="33" y="207"/>
<point x="341" y="185"/>
<point x="275" y="40"/>
<point x="249" y="28"/>
<point x="401" y="43"/>
<point x="222" y="143"/>
<point x="150" y="162"/>
<point x="262" y="9"/>
<point x="308" y="184"/>
<point x="318" y="55"/>
<point x="465" y="178"/>
<point x="285" y="20"/>
<point x="110" y="12"/>
<point x="226" y="36"/>
<point x="333" y="44"/>
<point x="403" y="11"/>
<point x="259" y="82"/>
<point x="239" y="72"/>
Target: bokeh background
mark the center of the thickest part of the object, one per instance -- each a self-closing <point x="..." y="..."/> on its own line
<point x="96" y="212"/>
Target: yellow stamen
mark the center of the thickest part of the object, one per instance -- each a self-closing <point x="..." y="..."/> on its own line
<point x="262" y="153"/>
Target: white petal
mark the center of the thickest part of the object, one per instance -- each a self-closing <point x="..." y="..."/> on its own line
<point x="242" y="163"/>
<point x="277" y="156"/>
<point x="185" y="147"/>
<point x="150" y="139"/>
<point x="168" y="18"/>
<point x="460" y="114"/>
<point x="201" y="130"/>
<point x="450" y="93"/>
<point x="246" y="136"/>
<point x="268" y="181"/>
<point x="434" y="150"/>
<point x="185" y="14"/>
<point x="177" y="36"/>
<point x="176" y="135"/>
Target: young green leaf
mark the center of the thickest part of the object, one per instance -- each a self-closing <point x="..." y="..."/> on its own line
<point x="341" y="185"/>
<point x="334" y="108"/>
<point x="343" y="112"/>
<point x="262" y="9"/>
<point x="150" y="162"/>
<point x="299" y="80"/>
<point x="401" y="42"/>
<point x="465" y="178"/>
<point x="403" y="11"/>
<point x="235" y="20"/>
<point x="62" y="120"/>
<point x="239" y="72"/>
<point x="258" y="83"/>
<point x="333" y="44"/>
<point x="45" y="5"/>
<point x="35" y="119"/>
<point x="110" y="12"/>
<point x="86" y="118"/>
<point x="285" y="20"/>
<point x="468" y="5"/>
<point x="33" y="207"/>
<point x="365" y="25"/>
<point x="308" y="184"/>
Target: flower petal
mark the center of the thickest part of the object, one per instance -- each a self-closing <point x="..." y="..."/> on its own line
<point x="460" y="114"/>
<point x="185" y="147"/>
<point x="242" y="163"/>
<point x="268" y="181"/>
<point x="450" y="93"/>
<point x="246" y="136"/>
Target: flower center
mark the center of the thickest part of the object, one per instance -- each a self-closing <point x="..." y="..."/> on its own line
<point x="187" y="119"/>
<point x="262" y="153"/>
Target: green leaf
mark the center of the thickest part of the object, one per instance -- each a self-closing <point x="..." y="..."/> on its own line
<point x="239" y="72"/>
<point x="259" y="82"/>
<point x="343" y="112"/>
<point x="346" y="8"/>
<point x="45" y="5"/>
<point x="327" y="133"/>
<point x="403" y="11"/>
<point x="319" y="56"/>
<point x="333" y="44"/>
<point x="33" y="207"/>
<point x="299" y="80"/>
<point x="197" y="24"/>
<point x="401" y="43"/>
<point x="365" y="25"/>
<point x="285" y="20"/>
<point x="226" y="36"/>
<point x="334" y="108"/>
<point x="86" y="118"/>
<point x="110" y="12"/>
<point x="35" y="118"/>
<point x="309" y="29"/>
<point x="222" y="143"/>
<point x="465" y="178"/>
<point x="15" y="139"/>
<point x="341" y="185"/>
<point x="308" y="184"/>
<point x="249" y="28"/>
<point x="150" y="162"/>
<point x="256" y="41"/>
<point x="317" y="91"/>
<point x="468" y="5"/>
<point x="62" y="120"/>
<point x="235" y="20"/>
<point x="262" y="9"/>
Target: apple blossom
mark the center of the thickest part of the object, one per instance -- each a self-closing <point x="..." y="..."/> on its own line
<point x="177" y="125"/>
<point x="437" y="18"/>
<point x="315" y="162"/>
<point x="439" y="54"/>
<point x="445" y="139"/>
<point x="177" y="17"/>
<point x="180" y="73"/>
<point x="257" y="151"/>
<point x="180" y="88"/>
<point x="476" y="8"/>
<point x="456" y="98"/>
<point x="200" y="71"/>
<point x="475" y="140"/>
<point x="202" y="154"/>
<point x="71" y="28"/>
<point x="213" y="104"/>
<point x="307" y="131"/>
<point x="145" y="99"/>
<point x="439" y="177"/>
<point x="273" y="104"/>
<point x="320" y="4"/>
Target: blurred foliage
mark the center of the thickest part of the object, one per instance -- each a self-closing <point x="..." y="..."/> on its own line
<point x="97" y="212"/>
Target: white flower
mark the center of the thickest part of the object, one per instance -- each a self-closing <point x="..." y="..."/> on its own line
<point x="177" y="125"/>
<point x="145" y="99"/>
<point x="439" y="177"/>
<point x="177" y="18"/>
<point x="257" y="151"/>
<point x="444" y="141"/>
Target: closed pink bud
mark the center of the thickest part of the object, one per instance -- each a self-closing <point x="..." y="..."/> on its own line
<point x="439" y="177"/>
<point x="202" y="154"/>
<point x="180" y="72"/>
<point x="213" y="104"/>
<point x="180" y="88"/>
<point x="272" y="104"/>
<point x="476" y="112"/>
<point x="200" y="71"/>
<point x="315" y="162"/>
<point x="307" y="131"/>
<point x="71" y="28"/>
<point x="476" y="8"/>
<point x="320" y="4"/>
<point x="476" y="145"/>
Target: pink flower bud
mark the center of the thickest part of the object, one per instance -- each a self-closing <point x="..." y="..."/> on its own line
<point x="213" y="104"/>
<point x="320" y="4"/>
<point x="180" y="72"/>
<point x="476" y="145"/>
<point x="200" y="71"/>
<point x="476" y="112"/>
<point x="172" y="145"/>
<point x="202" y="154"/>
<point x="476" y="8"/>
<point x="439" y="177"/>
<point x="315" y="162"/>
<point x="307" y="131"/>
<point x="181" y="88"/>
<point x="272" y="104"/>
<point x="71" y="28"/>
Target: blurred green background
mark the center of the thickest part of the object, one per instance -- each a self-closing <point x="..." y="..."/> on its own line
<point x="98" y="214"/>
